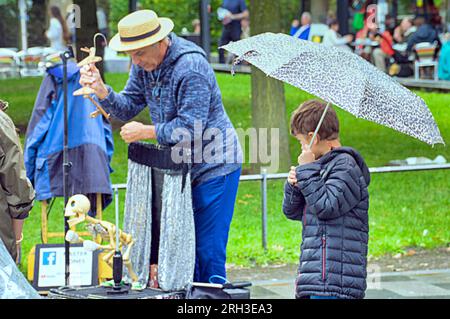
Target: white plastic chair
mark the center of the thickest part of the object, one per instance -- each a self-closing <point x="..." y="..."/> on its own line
<point x="425" y="56"/>
<point x="8" y="63"/>
<point x="30" y="61"/>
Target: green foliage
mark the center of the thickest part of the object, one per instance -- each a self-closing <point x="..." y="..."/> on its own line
<point x="290" y="10"/>
<point x="117" y="10"/>
<point x="7" y="2"/>
<point x="183" y="12"/>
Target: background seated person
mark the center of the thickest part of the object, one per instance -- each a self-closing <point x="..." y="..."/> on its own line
<point x="301" y="32"/>
<point x="384" y="51"/>
<point x="333" y="38"/>
<point x="404" y="31"/>
<point x="363" y="45"/>
<point x="425" y="33"/>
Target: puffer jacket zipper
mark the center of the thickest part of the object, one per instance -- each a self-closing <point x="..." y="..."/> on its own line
<point x="324" y="256"/>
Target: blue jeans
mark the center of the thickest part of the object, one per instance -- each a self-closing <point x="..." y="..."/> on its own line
<point x="213" y="203"/>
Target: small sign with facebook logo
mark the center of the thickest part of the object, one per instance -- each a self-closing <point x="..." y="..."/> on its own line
<point x="49" y="268"/>
<point x="49" y="258"/>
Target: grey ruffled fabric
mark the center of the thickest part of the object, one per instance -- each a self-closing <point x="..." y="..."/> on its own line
<point x="176" y="255"/>
<point x="138" y="218"/>
<point x="177" y="240"/>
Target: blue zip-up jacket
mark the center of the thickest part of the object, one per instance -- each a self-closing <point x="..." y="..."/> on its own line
<point x="425" y="33"/>
<point x="91" y="142"/>
<point x="184" y="100"/>
<point x="332" y="201"/>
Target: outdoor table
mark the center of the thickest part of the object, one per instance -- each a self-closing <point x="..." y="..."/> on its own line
<point x="364" y="42"/>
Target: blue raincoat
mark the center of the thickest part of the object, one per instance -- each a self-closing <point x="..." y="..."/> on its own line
<point x="91" y="142"/>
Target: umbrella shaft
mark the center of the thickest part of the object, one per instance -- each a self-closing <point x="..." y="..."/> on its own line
<point x="319" y="125"/>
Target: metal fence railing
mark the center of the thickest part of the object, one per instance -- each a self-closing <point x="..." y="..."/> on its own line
<point x="264" y="177"/>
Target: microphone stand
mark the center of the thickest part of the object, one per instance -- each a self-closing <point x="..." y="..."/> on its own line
<point x="65" y="56"/>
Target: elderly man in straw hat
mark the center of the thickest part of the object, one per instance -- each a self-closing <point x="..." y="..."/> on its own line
<point x="173" y="78"/>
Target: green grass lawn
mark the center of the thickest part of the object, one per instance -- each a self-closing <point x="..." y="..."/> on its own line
<point x="406" y="209"/>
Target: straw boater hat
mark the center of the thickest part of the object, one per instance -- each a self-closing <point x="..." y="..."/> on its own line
<point x="140" y="29"/>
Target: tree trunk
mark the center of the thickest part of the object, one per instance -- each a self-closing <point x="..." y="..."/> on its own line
<point x="268" y="100"/>
<point x="343" y="16"/>
<point x="305" y="6"/>
<point x="36" y="24"/>
<point x="88" y="28"/>
<point x="319" y="11"/>
<point x="9" y="25"/>
<point x="3" y="42"/>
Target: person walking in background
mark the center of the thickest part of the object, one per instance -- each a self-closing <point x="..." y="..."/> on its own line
<point x="16" y="192"/>
<point x="58" y="32"/>
<point x="235" y="11"/>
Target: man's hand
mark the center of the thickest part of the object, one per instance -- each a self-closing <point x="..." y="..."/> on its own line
<point x="90" y="77"/>
<point x="227" y="20"/>
<point x="292" y="177"/>
<point x="135" y="131"/>
<point x="307" y="156"/>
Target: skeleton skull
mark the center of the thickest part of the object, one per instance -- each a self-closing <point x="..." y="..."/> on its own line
<point x="77" y="207"/>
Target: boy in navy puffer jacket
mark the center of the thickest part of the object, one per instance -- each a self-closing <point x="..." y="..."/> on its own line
<point x="328" y="193"/>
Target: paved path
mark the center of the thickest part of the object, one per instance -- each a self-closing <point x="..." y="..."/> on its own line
<point x="433" y="284"/>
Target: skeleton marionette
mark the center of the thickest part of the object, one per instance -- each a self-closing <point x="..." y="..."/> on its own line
<point x="86" y="92"/>
<point x="77" y="209"/>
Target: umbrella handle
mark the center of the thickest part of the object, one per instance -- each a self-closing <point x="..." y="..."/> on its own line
<point x="319" y="125"/>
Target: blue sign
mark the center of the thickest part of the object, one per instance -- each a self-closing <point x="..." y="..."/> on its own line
<point x="49" y="258"/>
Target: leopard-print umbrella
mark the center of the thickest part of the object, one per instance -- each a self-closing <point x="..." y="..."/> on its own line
<point x="3" y="105"/>
<point x="341" y="78"/>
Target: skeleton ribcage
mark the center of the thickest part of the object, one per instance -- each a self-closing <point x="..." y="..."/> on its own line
<point x="97" y="229"/>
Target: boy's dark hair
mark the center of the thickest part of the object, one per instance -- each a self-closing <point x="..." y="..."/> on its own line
<point x="307" y="116"/>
